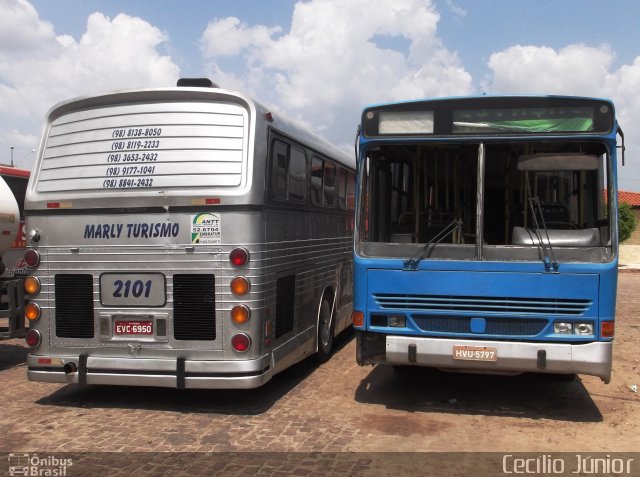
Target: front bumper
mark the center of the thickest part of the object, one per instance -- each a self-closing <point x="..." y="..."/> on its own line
<point x="593" y="359"/>
<point x="173" y="373"/>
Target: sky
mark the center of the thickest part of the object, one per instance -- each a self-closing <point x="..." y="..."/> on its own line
<point x="319" y="62"/>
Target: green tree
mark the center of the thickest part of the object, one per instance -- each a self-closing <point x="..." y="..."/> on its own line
<point x="627" y="221"/>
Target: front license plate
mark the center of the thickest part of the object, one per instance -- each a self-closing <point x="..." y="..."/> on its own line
<point x="475" y="353"/>
<point x="132" y="289"/>
<point x="133" y="327"/>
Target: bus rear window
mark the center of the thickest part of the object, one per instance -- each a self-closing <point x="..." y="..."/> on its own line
<point x="146" y="146"/>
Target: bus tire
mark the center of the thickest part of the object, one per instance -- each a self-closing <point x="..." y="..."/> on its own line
<point x="325" y="331"/>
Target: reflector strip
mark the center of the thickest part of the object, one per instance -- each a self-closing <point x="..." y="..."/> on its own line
<point x="59" y="205"/>
<point x="206" y="201"/>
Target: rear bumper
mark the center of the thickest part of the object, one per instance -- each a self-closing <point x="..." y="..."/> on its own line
<point x="173" y="373"/>
<point x="593" y="359"/>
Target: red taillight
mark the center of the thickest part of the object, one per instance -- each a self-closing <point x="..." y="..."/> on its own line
<point x="241" y="343"/>
<point x="607" y="329"/>
<point x="239" y="256"/>
<point x="31" y="258"/>
<point x="33" y="338"/>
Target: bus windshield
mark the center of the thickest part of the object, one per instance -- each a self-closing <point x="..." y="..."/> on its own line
<point x="506" y="198"/>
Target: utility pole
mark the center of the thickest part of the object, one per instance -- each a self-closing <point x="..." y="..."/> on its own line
<point x="11" y="156"/>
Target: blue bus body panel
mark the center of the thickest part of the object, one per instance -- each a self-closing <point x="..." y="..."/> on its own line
<point x="484" y="304"/>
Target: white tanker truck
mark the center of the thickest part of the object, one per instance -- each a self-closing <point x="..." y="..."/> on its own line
<point x="11" y="286"/>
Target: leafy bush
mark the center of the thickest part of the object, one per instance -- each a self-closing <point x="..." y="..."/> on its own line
<point x="627" y="221"/>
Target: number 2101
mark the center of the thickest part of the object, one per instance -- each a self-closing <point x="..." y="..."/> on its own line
<point x="128" y="288"/>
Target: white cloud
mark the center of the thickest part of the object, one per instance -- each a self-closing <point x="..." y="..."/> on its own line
<point x="328" y="65"/>
<point x="577" y="70"/>
<point x="39" y="69"/>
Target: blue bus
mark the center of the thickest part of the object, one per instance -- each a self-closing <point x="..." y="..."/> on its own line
<point x="486" y="235"/>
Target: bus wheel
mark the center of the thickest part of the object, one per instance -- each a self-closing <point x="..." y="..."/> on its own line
<point x="325" y="332"/>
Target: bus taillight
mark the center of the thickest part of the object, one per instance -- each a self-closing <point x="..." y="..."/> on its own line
<point x="239" y="256"/>
<point x="32" y="258"/>
<point x="31" y="285"/>
<point x="240" y="286"/>
<point x="32" y="311"/>
<point x="241" y="342"/>
<point x="607" y="329"/>
<point x="33" y="338"/>
<point x="358" y="318"/>
<point x="240" y="314"/>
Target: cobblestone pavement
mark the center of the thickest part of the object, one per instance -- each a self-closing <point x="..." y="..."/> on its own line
<point x="337" y="407"/>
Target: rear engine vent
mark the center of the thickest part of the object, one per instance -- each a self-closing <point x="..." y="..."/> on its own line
<point x="74" y="306"/>
<point x="194" y="307"/>
<point x="285" y="301"/>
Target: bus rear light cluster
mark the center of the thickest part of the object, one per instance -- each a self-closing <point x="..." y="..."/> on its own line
<point x="240" y="314"/>
<point x="239" y="256"/>
<point x="241" y="343"/>
<point x="240" y="286"/>
<point x="33" y="338"/>
<point x="32" y="258"/>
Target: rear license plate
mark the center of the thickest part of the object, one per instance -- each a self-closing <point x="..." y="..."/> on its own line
<point x="132" y="289"/>
<point x="475" y="353"/>
<point x="121" y="327"/>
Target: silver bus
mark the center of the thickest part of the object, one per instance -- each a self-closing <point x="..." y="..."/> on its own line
<point x="185" y="237"/>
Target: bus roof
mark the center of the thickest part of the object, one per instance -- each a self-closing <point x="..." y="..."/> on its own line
<point x="490" y="115"/>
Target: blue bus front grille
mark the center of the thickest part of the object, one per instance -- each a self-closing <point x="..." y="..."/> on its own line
<point x="483" y="304"/>
<point x="493" y="326"/>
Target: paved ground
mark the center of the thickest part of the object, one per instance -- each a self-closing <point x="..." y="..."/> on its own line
<point x="337" y="407"/>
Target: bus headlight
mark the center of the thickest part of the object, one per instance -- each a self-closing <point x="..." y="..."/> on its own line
<point x="397" y="321"/>
<point x="584" y="329"/>
<point x="563" y="328"/>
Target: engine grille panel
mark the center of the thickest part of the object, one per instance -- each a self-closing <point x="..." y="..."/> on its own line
<point x="74" y="306"/>
<point x="285" y="304"/>
<point x="194" y="307"/>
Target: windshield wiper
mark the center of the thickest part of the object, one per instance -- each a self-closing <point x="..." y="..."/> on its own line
<point x="427" y="249"/>
<point x="549" y="259"/>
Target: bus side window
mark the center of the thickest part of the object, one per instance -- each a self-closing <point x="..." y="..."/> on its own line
<point x="297" y="175"/>
<point x="279" y="163"/>
<point x="329" y="184"/>
<point x="317" y="170"/>
<point x="351" y="191"/>
<point x="342" y="188"/>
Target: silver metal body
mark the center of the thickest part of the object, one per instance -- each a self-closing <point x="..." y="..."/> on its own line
<point x="191" y="172"/>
